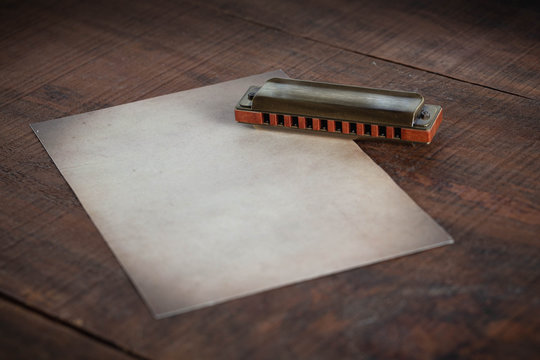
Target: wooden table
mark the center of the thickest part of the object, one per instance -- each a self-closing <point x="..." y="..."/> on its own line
<point x="64" y="295"/>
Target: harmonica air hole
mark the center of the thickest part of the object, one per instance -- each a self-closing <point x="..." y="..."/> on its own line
<point x="342" y="109"/>
<point x="367" y="129"/>
<point x="337" y="126"/>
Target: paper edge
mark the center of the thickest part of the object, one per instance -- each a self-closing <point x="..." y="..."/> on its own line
<point x="152" y="98"/>
<point x="161" y="315"/>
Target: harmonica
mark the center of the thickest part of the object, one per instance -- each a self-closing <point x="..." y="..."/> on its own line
<point x="349" y="111"/>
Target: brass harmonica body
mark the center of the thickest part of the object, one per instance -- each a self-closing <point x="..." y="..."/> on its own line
<point x="350" y="111"/>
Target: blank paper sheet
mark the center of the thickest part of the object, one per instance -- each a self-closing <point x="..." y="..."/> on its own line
<point x="200" y="209"/>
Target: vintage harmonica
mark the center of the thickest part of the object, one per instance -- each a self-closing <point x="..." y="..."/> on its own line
<point x="347" y="110"/>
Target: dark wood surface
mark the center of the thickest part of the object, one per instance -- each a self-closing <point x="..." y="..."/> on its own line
<point x="63" y="294"/>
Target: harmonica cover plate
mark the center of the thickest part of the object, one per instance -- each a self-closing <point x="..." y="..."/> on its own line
<point x="331" y="101"/>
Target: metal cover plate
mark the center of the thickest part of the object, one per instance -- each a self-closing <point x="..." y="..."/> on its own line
<point x="332" y="101"/>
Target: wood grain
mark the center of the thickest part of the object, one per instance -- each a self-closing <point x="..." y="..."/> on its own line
<point x="26" y="335"/>
<point x="479" y="179"/>
<point x="495" y="44"/>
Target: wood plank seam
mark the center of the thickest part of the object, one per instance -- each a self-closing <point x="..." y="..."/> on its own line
<point x="275" y="28"/>
<point x="494" y="190"/>
<point x="71" y="70"/>
<point x="80" y="331"/>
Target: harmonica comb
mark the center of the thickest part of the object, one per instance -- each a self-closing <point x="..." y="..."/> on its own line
<point x="350" y="111"/>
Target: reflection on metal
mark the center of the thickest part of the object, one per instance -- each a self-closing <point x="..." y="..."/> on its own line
<point x="348" y="110"/>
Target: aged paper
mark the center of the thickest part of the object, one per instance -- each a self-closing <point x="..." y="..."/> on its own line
<point x="200" y="209"/>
